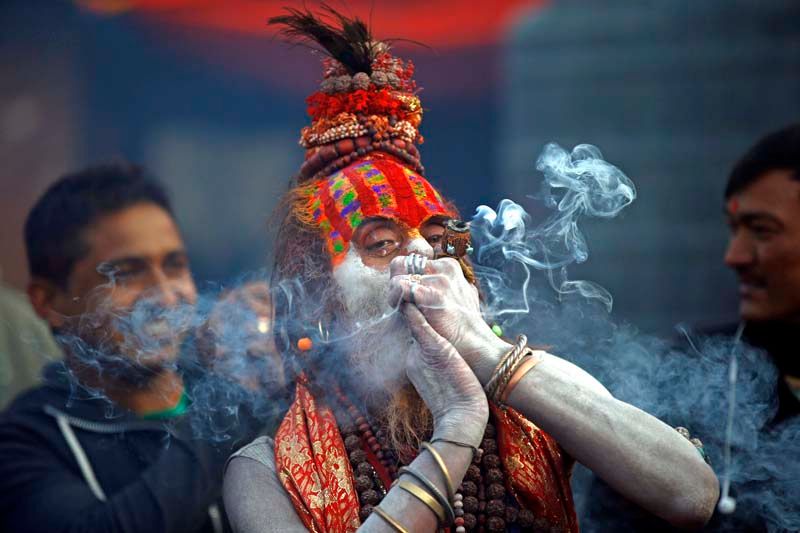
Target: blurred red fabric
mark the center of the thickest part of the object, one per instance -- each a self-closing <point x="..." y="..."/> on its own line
<point x="437" y="23"/>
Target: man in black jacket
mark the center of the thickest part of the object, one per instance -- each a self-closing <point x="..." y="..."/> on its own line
<point x="762" y="207"/>
<point x="105" y="443"/>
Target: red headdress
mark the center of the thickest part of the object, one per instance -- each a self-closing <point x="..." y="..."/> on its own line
<point x="361" y="155"/>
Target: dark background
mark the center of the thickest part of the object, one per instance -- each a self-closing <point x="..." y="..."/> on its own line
<point x="204" y="95"/>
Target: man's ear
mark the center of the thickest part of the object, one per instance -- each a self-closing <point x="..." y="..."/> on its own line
<point x="45" y="298"/>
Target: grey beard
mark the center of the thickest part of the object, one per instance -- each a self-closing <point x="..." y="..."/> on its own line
<point x="380" y="341"/>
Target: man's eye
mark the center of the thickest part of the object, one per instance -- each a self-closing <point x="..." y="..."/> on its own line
<point x="176" y="265"/>
<point x="762" y="232"/>
<point x="126" y="273"/>
<point x="434" y="239"/>
<point x="383" y="248"/>
<point x="117" y="272"/>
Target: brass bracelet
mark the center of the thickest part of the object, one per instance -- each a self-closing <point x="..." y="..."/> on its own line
<point x="527" y="364"/>
<point x="502" y="372"/>
<point x="420" y="494"/>
<point x="428" y="484"/>
<point x="495" y="373"/>
<point x="448" y="481"/>
<point x="508" y="373"/>
<point x="397" y="526"/>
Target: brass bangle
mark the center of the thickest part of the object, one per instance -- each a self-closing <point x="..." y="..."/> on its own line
<point x="433" y="490"/>
<point x="420" y="494"/>
<point x="505" y="377"/>
<point x="397" y="526"/>
<point x="528" y="352"/>
<point x="527" y="364"/>
<point x="448" y="481"/>
<point x="505" y="363"/>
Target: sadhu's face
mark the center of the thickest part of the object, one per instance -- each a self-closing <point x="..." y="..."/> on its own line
<point x="378" y="240"/>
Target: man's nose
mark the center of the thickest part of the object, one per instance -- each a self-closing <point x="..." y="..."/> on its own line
<point x="417" y="244"/>
<point x="740" y="252"/>
<point x="166" y="290"/>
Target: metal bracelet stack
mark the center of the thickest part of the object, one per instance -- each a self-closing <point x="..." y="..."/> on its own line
<point x="427" y="493"/>
<point x="505" y="369"/>
<point x="433" y="491"/>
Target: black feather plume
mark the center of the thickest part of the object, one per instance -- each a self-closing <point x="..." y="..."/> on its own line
<point x="350" y="44"/>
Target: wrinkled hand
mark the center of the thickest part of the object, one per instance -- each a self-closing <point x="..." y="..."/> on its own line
<point x="446" y="383"/>
<point x="451" y="306"/>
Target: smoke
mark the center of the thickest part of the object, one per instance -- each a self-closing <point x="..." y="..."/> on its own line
<point x="575" y="184"/>
<point x="224" y="341"/>
<point x="684" y="382"/>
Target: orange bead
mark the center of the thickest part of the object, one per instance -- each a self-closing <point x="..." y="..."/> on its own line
<point x="305" y="344"/>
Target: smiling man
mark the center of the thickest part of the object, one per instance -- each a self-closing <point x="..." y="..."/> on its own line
<point x="763" y="211"/>
<point x="102" y="445"/>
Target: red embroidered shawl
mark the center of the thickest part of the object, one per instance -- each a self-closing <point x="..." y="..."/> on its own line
<point x="314" y="468"/>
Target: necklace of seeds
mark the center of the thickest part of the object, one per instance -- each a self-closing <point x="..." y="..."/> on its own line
<point x="482" y="494"/>
<point x="357" y="432"/>
<point x="480" y="503"/>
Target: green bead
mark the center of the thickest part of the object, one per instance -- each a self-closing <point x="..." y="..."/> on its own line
<point x="497" y="330"/>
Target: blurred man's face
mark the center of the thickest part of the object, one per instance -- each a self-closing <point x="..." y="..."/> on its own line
<point x="764" y="247"/>
<point x="131" y="296"/>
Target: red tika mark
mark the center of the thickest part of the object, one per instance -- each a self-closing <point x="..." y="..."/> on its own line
<point x="733" y="206"/>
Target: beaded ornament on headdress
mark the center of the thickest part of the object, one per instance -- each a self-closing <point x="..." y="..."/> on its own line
<point x="366" y="101"/>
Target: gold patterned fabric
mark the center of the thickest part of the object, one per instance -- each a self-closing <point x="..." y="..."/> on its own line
<point x="314" y="469"/>
<point x="538" y="470"/>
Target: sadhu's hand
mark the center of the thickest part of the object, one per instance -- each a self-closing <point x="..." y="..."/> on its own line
<point x="446" y="383"/>
<point x="451" y="306"/>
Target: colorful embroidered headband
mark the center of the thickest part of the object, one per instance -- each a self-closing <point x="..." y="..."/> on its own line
<point x="377" y="186"/>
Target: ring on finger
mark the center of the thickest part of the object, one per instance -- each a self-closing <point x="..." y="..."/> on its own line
<point x="415" y="263"/>
<point x="421" y="261"/>
<point x="409" y="265"/>
<point x="414" y="279"/>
